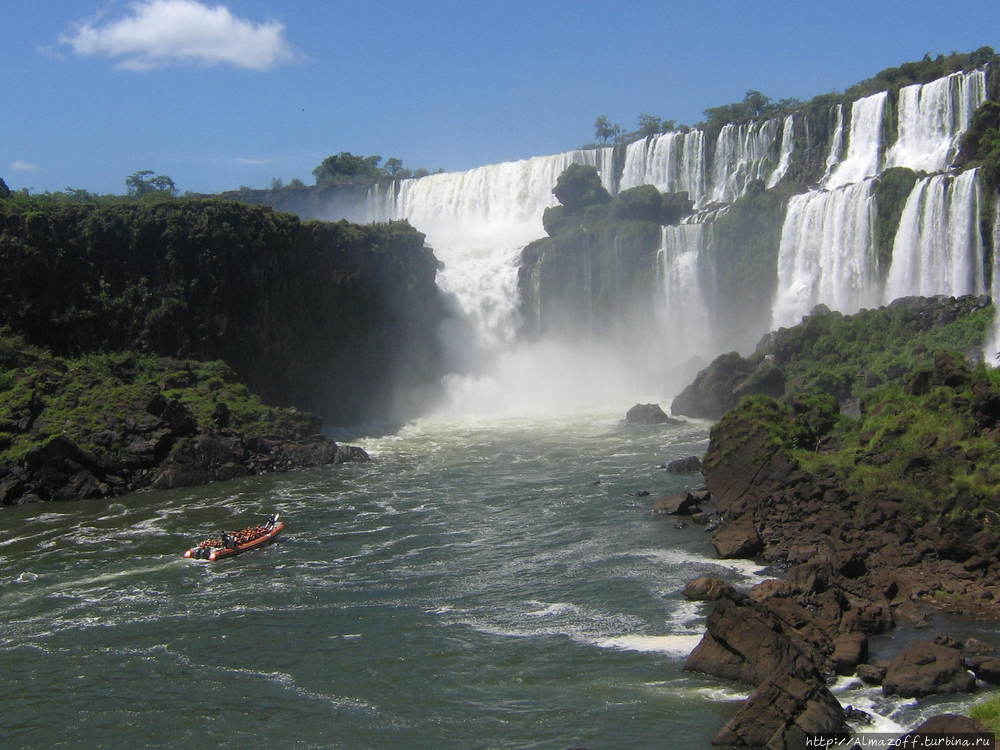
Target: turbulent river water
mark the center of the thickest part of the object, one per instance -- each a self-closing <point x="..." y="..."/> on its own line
<point x="478" y="585"/>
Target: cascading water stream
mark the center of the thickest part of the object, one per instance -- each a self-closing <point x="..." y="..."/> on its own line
<point x="864" y="147"/>
<point x="785" y="158"/>
<point x="937" y="248"/>
<point x="836" y="144"/>
<point x="742" y="155"/>
<point x="672" y="162"/>
<point x="826" y="253"/>
<point x="992" y="348"/>
<point x="685" y="318"/>
<point x="932" y="117"/>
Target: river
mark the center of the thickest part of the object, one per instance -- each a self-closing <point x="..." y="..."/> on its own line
<point x="494" y="584"/>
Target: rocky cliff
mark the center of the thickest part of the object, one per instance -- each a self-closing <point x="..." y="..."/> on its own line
<point x="336" y="318"/>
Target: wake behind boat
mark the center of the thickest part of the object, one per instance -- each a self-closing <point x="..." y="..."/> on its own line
<point x="230" y="543"/>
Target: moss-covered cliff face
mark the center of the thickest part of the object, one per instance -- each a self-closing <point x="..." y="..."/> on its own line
<point x="597" y="271"/>
<point x="335" y="318"/>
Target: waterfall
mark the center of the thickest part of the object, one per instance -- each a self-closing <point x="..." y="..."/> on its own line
<point x="684" y="316"/>
<point x="826" y="253"/>
<point x="785" y="158"/>
<point x="992" y="347"/>
<point x="672" y="162"/>
<point x="477" y="221"/>
<point x="938" y="248"/>
<point x="742" y="155"/>
<point x="836" y="144"/>
<point x="932" y="117"/>
<point x="864" y="144"/>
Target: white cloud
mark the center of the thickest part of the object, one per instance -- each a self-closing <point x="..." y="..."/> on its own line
<point x="23" y="166"/>
<point x="156" y="33"/>
<point x="251" y="162"/>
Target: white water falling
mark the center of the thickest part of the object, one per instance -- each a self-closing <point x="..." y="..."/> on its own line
<point x="826" y="253"/>
<point x="742" y="155"/>
<point x="672" y="162"/>
<point x="685" y="319"/>
<point x="992" y="347"/>
<point x="836" y="144"/>
<point x="477" y="221"/>
<point x="938" y="248"/>
<point x="785" y="158"/>
<point x="932" y="117"/>
<point x="864" y="147"/>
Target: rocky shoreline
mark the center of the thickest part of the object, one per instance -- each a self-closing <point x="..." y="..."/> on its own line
<point x="107" y="425"/>
<point x="854" y="565"/>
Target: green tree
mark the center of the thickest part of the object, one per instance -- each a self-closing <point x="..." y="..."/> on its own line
<point x="393" y="166"/>
<point x="145" y="182"/>
<point x="277" y="183"/>
<point x="605" y="129"/>
<point x="295" y="182"/>
<point x="579" y="185"/>
<point x="347" y="167"/>
<point x="649" y="125"/>
<point x="4" y="190"/>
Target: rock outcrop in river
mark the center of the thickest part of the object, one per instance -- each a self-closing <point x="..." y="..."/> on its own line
<point x="105" y="425"/>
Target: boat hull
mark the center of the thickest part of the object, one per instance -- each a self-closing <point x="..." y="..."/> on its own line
<point x="218" y="553"/>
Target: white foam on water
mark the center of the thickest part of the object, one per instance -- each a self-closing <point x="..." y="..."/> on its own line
<point x="547" y="610"/>
<point x="673" y="645"/>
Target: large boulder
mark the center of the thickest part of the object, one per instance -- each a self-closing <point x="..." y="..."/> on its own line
<point x="925" y="668"/>
<point x="707" y="589"/>
<point x="648" y="414"/>
<point x="721" y="385"/>
<point x="849" y="650"/>
<point x="686" y="465"/>
<point x="678" y="504"/>
<point x="792" y="704"/>
<point x="747" y="640"/>
<point x="738" y="539"/>
<point x="711" y="393"/>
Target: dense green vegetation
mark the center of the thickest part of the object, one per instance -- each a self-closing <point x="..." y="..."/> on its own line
<point x="926" y="427"/>
<point x="90" y="399"/>
<point x="348" y="168"/>
<point x="756" y="105"/>
<point x="846" y="355"/>
<point x="987" y="713"/>
<point x="981" y="143"/>
<point x="305" y="312"/>
<point x="923" y="71"/>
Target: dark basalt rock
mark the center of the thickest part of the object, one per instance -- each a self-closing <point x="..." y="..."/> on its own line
<point x="648" y="414"/>
<point x="870" y="674"/>
<point x="721" y="385"/>
<point x="707" y="589"/>
<point x="848" y="650"/>
<point x="679" y="504"/>
<point x="941" y="726"/>
<point x="986" y="668"/>
<point x="739" y="539"/>
<point x="926" y="668"/>
<point x="687" y="465"/>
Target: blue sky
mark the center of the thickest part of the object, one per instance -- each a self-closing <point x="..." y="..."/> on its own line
<point x="222" y="93"/>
